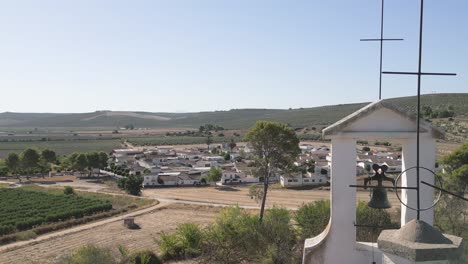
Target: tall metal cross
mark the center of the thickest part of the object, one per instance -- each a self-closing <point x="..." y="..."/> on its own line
<point x="381" y="40"/>
<point x="419" y="73"/>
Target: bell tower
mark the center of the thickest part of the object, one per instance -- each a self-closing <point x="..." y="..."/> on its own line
<point x="376" y="121"/>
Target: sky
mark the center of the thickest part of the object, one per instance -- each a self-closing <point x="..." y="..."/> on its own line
<point x="70" y="56"/>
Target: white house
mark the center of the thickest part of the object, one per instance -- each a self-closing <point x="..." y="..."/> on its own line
<point x="235" y="176"/>
<point x="308" y="179"/>
<point x="171" y="179"/>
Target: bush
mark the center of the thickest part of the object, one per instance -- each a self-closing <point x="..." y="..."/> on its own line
<point x="233" y="238"/>
<point x="237" y="237"/>
<point x="277" y="238"/>
<point x="373" y="217"/>
<point x="68" y="190"/>
<point x="25" y="235"/>
<point x="312" y="218"/>
<point x="88" y="254"/>
<point x="365" y="149"/>
<point x="183" y="244"/>
<point x="144" y="257"/>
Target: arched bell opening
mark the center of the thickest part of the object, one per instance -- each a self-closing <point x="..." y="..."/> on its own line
<point x="378" y="207"/>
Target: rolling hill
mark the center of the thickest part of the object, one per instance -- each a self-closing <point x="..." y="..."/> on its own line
<point x="232" y="119"/>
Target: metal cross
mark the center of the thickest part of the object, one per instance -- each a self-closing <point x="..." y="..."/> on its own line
<point x="419" y="73"/>
<point x="381" y="40"/>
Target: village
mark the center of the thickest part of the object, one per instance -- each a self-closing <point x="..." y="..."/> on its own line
<point x="169" y="166"/>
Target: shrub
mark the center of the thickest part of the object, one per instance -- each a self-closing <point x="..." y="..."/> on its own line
<point x="365" y="149"/>
<point x="277" y="238"/>
<point x="373" y="217"/>
<point x="88" y="254"/>
<point x="25" y="235"/>
<point x="143" y="257"/>
<point x="312" y="218"/>
<point x="68" y="190"/>
<point x="233" y="238"/>
<point x="183" y="244"/>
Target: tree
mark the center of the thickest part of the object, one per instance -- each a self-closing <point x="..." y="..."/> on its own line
<point x="48" y="155"/>
<point x="131" y="184"/>
<point x="365" y="148"/>
<point x="451" y="215"/>
<point x="427" y="111"/>
<point x="30" y="159"/>
<point x="93" y="161"/>
<point x="232" y="144"/>
<point x="78" y="161"/>
<point x="214" y="174"/>
<point x="310" y="164"/>
<point x="457" y="158"/>
<point x="103" y="159"/>
<point x="215" y="151"/>
<point x="275" y="146"/>
<point x="209" y="140"/>
<point x="12" y="162"/>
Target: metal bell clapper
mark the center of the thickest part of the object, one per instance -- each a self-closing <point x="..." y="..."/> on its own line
<point x="379" y="199"/>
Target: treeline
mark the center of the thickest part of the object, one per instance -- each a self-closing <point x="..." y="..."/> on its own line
<point x="78" y="161"/>
<point x="28" y="162"/>
<point x="32" y="161"/>
<point x="210" y="127"/>
<point x="442" y="111"/>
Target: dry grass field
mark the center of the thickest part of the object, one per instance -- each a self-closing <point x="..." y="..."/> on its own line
<point x="238" y="195"/>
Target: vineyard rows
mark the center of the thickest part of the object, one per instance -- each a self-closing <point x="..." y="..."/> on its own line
<point x="21" y="210"/>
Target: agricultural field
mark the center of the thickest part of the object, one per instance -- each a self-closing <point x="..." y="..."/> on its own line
<point x="23" y="209"/>
<point x="60" y="147"/>
<point x="178" y="140"/>
<point x="33" y="210"/>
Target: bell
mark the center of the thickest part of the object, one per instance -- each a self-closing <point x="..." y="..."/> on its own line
<point x="379" y="199"/>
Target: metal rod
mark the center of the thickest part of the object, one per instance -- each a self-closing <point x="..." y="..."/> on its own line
<point x="376" y="226"/>
<point x="385" y="187"/>
<point x="379" y="39"/>
<point x="422" y="73"/>
<point x="381" y="48"/>
<point x="445" y="191"/>
<point x="419" y="109"/>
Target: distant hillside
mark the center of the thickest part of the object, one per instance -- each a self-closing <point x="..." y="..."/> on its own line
<point x="232" y="119"/>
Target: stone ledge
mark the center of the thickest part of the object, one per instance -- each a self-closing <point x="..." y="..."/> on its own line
<point x="396" y="242"/>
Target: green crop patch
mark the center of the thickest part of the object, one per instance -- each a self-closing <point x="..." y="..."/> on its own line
<point x="22" y="210"/>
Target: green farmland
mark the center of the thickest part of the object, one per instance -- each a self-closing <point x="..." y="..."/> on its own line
<point x="152" y="141"/>
<point x="23" y="209"/>
<point x="60" y="147"/>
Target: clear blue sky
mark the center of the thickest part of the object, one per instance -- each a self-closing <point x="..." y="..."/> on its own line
<point x="174" y="55"/>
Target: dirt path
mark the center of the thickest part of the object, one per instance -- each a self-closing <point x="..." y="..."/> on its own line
<point x="288" y="198"/>
<point x="110" y="233"/>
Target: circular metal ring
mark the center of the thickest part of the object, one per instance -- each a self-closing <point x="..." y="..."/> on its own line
<point x="420" y="209"/>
